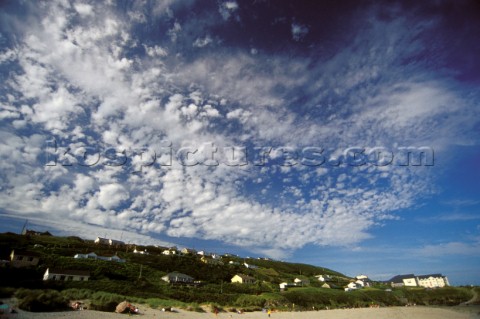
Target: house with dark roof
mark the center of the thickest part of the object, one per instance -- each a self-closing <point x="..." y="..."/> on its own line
<point x="176" y="277"/>
<point x="409" y="280"/>
<point x="22" y="258"/>
<point x="66" y="275"/>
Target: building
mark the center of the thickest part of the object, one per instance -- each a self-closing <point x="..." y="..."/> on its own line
<point x="250" y="266"/>
<point x="188" y="251"/>
<point x="169" y="252"/>
<point x="323" y="278"/>
<point x="66" y="275"/>
<point x="433" y="281"/>
<point x="409" y="280"/>
<point x="96" y="257"/>
<point x="211" y="261"/>
<point x="243" y="279"/>
<point x="141" y="252"/>
<point x="351" y="286"/>
<point x="107" y="241"/>
<point x="30" y="232"/>
<point x="102" y="241"/>
<point x="301" y="282"/>
<point x="21" y="258"/>
<point x="176" y="277"/>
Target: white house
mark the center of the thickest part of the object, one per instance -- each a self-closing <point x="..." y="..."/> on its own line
<point x="141" y="252"/>
<point x="176" y="277"/>
<point x="323" y="278"/>
<point x="249" y="266"/>
<point x="169" y="252"/>
<point x="96" y="257"/>
<point x="102" y="241"/>
<point x="351" y="286"/>
<point x="66" y="275"/>
<point x="301" y="282"/>
<point x="433" y="281"/>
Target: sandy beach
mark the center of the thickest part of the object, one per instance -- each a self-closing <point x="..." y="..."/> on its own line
<point x="470" y="312"/>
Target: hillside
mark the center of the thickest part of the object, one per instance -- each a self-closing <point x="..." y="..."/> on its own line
<point x="140" y="277"/>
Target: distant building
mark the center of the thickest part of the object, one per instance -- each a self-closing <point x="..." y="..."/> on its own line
<point x="176" y="277"/>
<point x="110" y="242"/>
<point x="323" y="278"/>
<point x="30" y="232"/>
<point x="188" y="251"/>
<point x="409" y="280"/>
<point x="96" y="257"/>
<point x="433" y="281"/>
<point x="301" y="282"/>
<point x="250" y="266"/>
<point x="66" y="275"/>
<point x="21" y="258"/>
<point x="243" y="279"/>
<point x="141" y="252"/>
<point x="427" y="281"/>
<point x="169" y="252"/>
<point x="102" y="241"/>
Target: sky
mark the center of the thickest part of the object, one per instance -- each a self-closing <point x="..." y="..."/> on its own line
<point x="343" y="134"/>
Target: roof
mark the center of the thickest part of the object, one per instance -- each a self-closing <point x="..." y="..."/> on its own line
<point x="399" y="278"/>
<point x="72" y="272"/>
<point x="177" y="274"/>
<point x="19" y="252"/>
<point x="428" y="276"/>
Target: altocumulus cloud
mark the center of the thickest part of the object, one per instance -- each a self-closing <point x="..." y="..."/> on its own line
<point x="93" y="75"/>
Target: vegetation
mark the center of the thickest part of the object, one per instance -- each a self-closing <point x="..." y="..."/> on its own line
<point x="138" y="280"/>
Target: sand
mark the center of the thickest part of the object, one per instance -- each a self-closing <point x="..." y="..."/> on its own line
<point x="470" y="312"/>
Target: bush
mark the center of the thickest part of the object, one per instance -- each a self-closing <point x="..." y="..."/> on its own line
<point x="41" y="300"/>
<point x="250" y="301"/>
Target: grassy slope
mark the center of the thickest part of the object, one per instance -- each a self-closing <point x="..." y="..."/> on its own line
<point x="122" y="279"/>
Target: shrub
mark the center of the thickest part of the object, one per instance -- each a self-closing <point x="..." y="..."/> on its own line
<point x="42" y="301"/>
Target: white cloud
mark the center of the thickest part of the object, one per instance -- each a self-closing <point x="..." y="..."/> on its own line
<point x="81" y="83"/>
<point x="112" y="195"/>
<point x="228" y="8"/>
<point x="299" y="31"/>
<point x="202" y="42"/>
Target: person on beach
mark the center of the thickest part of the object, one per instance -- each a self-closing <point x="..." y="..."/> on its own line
<point x="269" y="312"/>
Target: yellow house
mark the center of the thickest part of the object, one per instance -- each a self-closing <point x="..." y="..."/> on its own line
<point x="243" y="279"/>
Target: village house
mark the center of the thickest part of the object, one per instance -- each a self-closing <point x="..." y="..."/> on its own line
<point x="409" y="280"/>
<point x="176" y="277"/>
<point x="21" y="258"/>
<point x="141" y="252"/>
<point x="169" y="252"/>
<point x="323" y="278"/>
<point x="66" y="275"/>
<point x="301" y="282"/>
<point x="211" y="261"/>
<point x="30" y="232"/>
<point x="250" y="266"/>
<point x="433" y="281"/>
<point x="96" y="257"/>
<point x="110" y="242"/>
<point x="243" y="279"/>
<point x="188" y="251"/>
<point x="352" y="286"/>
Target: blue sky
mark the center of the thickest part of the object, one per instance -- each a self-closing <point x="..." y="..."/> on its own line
<point x="263" y="128"/>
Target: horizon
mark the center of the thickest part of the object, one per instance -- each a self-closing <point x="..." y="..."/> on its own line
<point x="342" y="135"/>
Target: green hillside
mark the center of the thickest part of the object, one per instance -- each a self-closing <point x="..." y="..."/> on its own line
<point x="139" y="278"/>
